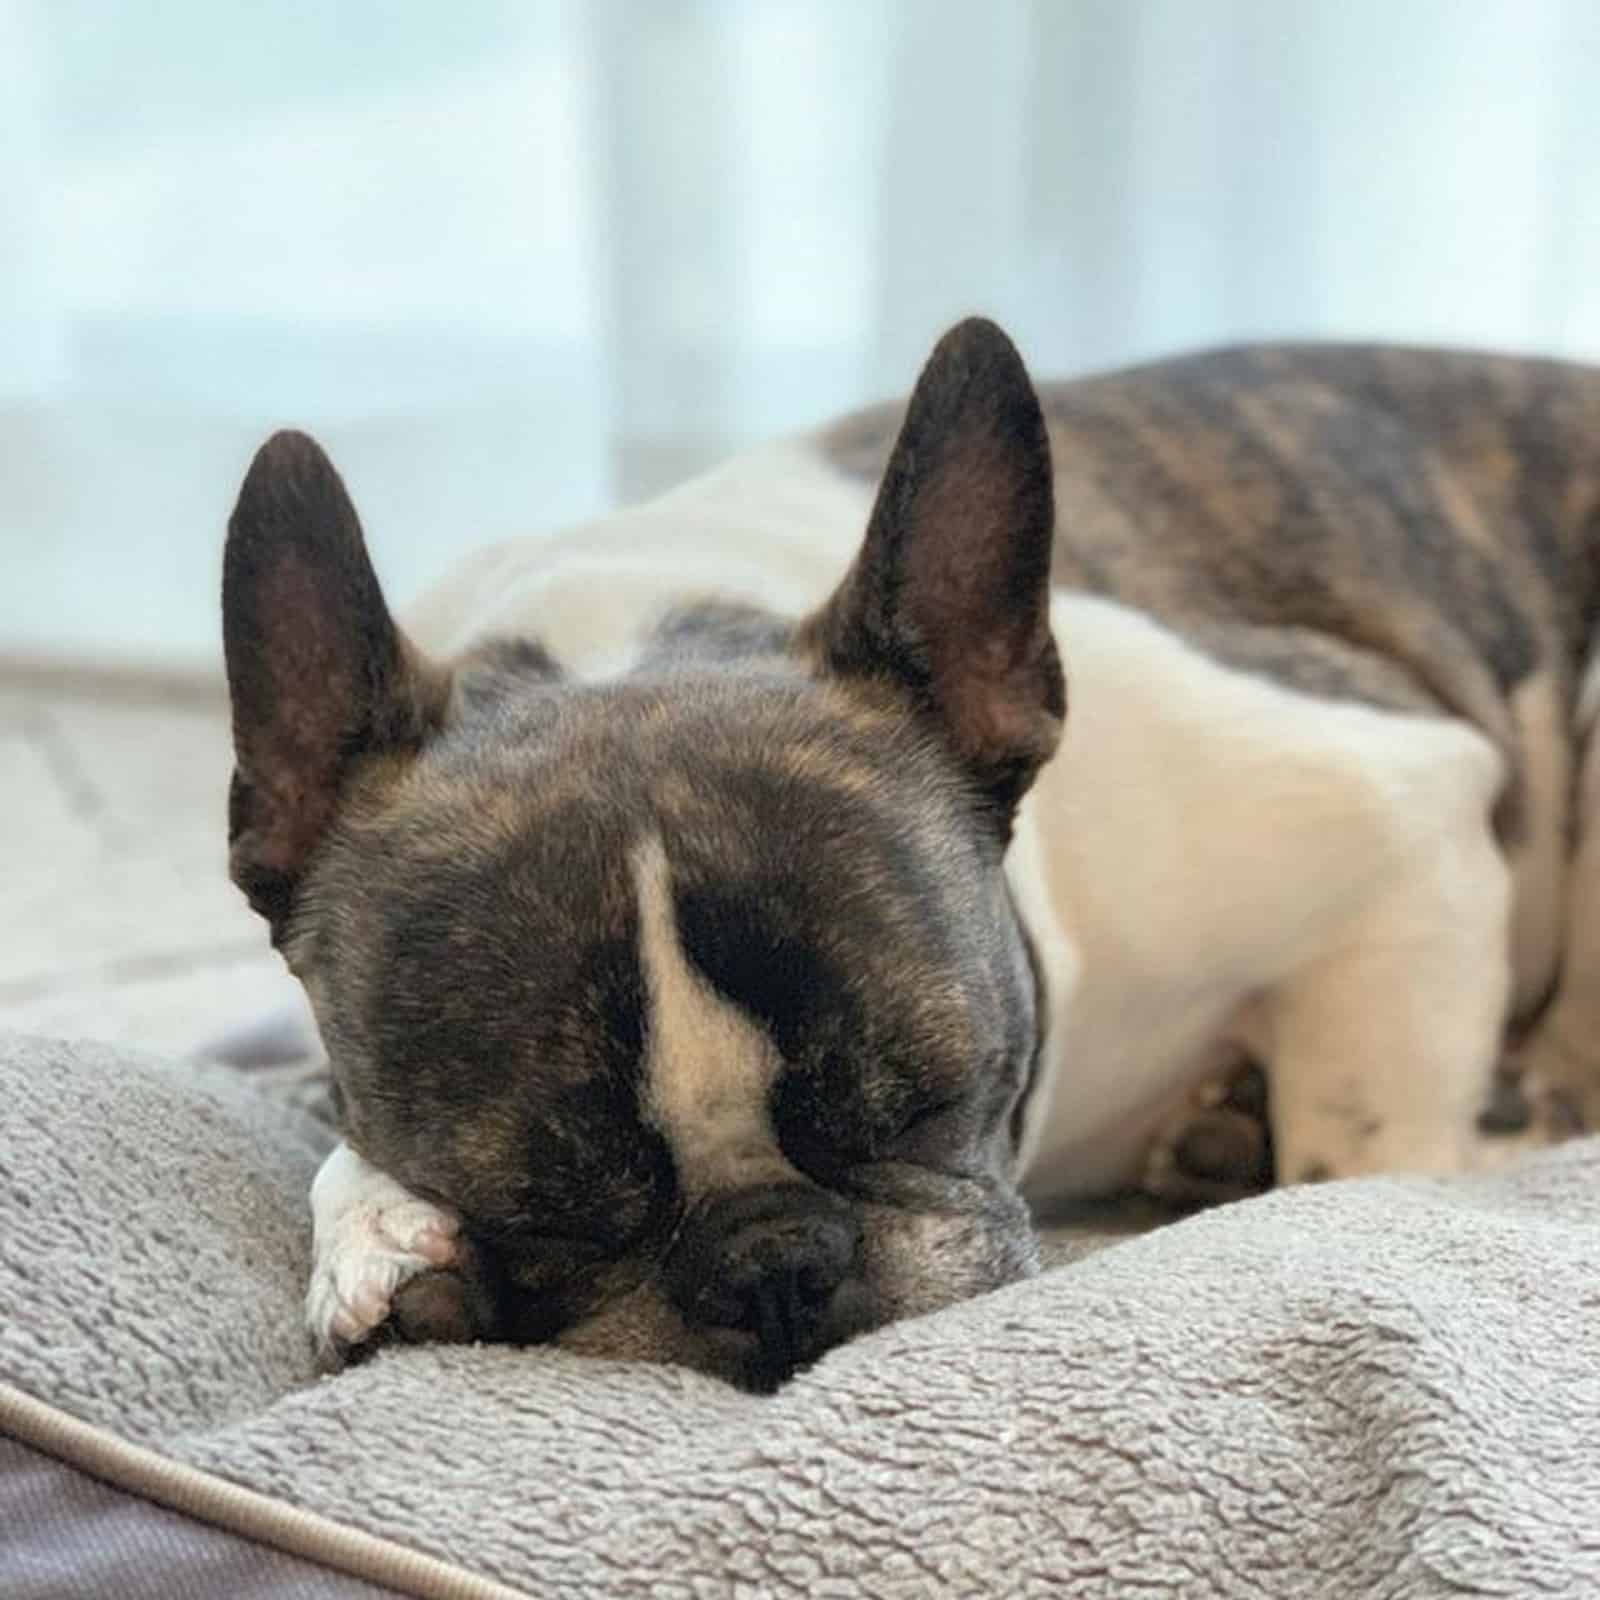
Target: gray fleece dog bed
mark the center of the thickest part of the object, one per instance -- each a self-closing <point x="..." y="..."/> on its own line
<point x="1386" y="1388"/>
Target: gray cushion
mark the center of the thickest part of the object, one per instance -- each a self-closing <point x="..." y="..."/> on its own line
<point x="1378" y="1388"/>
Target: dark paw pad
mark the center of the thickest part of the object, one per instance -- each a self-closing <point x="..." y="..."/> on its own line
<point x="1223" y="1150"/>
<point x="447" y="1305"/>
<point x="1225" y="1146"/>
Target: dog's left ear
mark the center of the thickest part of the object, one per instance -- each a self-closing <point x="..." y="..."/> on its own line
<point x="319" y="675"/>
<point x="950" y="594"/>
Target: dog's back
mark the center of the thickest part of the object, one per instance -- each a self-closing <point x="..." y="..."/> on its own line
<point x="1432" y="517"/>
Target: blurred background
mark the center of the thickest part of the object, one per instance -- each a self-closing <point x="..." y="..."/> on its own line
<point x="515" y="259"/>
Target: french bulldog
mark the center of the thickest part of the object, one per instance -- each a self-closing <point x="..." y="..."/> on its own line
<point x="727" y="920"/>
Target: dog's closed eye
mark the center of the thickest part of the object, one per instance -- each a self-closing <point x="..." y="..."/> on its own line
<point x="823" y="1145"/>
<point x="929" y="1129"/>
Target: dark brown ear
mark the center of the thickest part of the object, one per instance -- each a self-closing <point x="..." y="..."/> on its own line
<point x="950" y="595"/>
<point x="318" y="673"/>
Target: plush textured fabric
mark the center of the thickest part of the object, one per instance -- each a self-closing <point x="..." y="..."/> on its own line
<point x="1387" y="1388"/>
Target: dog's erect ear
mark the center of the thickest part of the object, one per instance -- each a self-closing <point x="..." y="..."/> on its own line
<point x="950" y="595"/>
<point x="318" y="673"/>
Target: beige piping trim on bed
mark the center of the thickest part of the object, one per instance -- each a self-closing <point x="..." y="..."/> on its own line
<point x="226" y="1505"/>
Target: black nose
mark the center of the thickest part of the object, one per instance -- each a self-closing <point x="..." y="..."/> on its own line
<point x="769" y="1262"/>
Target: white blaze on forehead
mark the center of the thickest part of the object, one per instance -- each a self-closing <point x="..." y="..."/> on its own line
<point x="708" y="1068"/>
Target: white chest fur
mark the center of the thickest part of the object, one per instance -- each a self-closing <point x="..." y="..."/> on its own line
<point x="1201" y="835"/>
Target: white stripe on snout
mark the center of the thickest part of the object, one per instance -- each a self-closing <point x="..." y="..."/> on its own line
<point x="708" y="1068"/>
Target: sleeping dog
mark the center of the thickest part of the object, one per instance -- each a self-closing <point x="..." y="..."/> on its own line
<point x="725" y="919"/>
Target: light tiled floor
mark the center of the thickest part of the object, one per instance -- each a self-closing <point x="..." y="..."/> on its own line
<point x="117" y="919"/>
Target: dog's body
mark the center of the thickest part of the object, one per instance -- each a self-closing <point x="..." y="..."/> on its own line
<point x="1326" y="616"/>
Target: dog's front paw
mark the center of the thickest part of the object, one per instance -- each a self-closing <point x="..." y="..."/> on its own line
<point x="368" y="1255"/>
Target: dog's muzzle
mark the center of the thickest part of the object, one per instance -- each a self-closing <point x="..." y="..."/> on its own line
<point x="769" y="1262"/>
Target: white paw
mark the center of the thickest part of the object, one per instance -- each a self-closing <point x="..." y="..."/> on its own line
<point x="377" y="1240"/>
<point x="362" y="1265"/>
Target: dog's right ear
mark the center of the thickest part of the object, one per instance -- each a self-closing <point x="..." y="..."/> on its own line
<point x="318" y="673"/>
